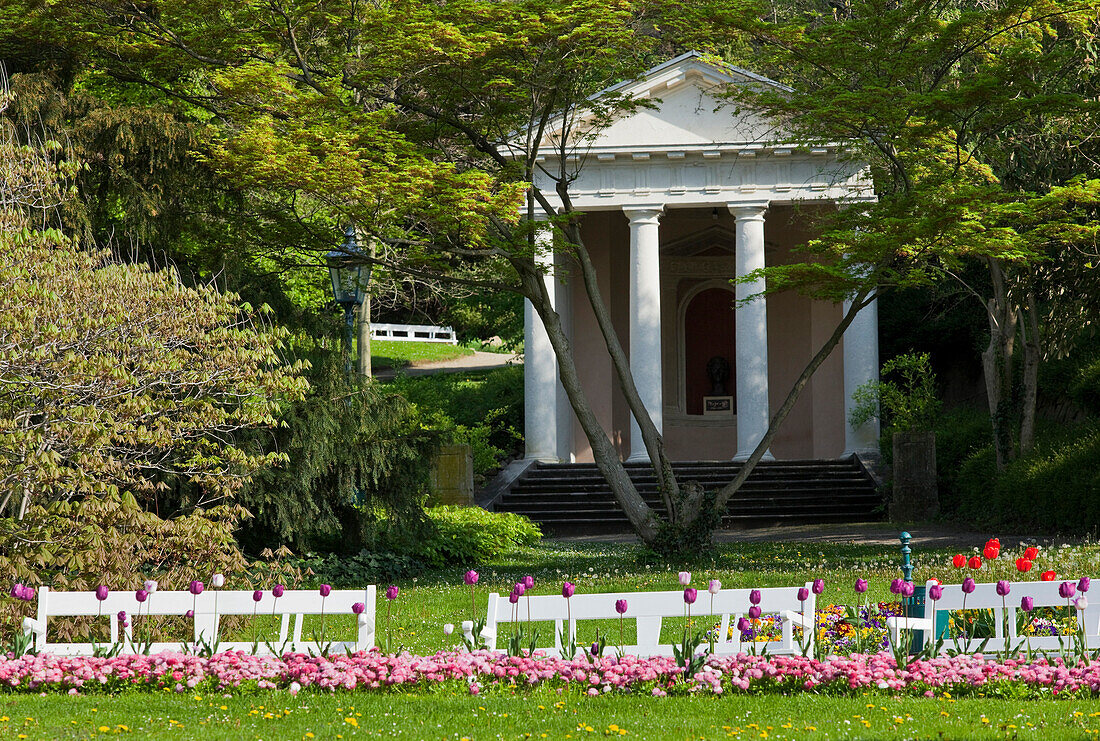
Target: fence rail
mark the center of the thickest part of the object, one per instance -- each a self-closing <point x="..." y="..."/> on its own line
<point x="413" y="333"/>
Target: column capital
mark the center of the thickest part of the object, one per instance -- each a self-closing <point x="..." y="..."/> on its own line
<point x="748" y="211"/>
<point x="644" y="214"/>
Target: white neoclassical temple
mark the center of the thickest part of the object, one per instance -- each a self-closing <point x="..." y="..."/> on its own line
<point x="679" y="197"/>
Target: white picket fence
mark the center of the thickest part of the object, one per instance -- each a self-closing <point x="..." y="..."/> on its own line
<point x="413" y="333"/>
<point x="209" y="607"/>
<point x="647" y="610"/>
<point x="985" y="597"/>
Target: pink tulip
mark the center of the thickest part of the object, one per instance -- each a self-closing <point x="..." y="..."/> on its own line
<point x="513" y="597"/>
<point x="470" y="578"/>
<point x="528" y="582"/>
<point x="861" y="585"/>
<point x="714" y="586"/>
<point x="519" y="589"/>
<point x="17" y="590"/>
<point x="907" y="589"/>
<point x="895" y="586"/>
<point x="685" y="578"/>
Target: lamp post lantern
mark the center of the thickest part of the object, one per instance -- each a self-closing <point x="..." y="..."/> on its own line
<point x="349" y="286"/>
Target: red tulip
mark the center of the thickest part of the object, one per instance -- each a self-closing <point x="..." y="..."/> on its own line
<point x="991" y="552"/>
<point x="1048" y="576"/>
<point x="975" y="562"/>
<point x="993" y="542"/>
<point x="958" y="561"/>
<point x="1023" y="565"/>
<point x="1031" y="553"/>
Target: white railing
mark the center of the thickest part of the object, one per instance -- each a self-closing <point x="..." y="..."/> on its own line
<point x="209" y="607"/>
<point x="413" y="333"/>
<point x="647" y="610"/>
<point x="985" y="597"/>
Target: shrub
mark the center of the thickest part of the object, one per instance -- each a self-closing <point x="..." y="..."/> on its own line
<point x="1055" y="489"/>
<point x="365" y="567"/>
<point x="471" y="535"/>
<point x="355" y="448"/>
<point x="959" y="434"/>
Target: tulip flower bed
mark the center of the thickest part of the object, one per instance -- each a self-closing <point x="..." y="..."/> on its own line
<point x="482" y="671"/>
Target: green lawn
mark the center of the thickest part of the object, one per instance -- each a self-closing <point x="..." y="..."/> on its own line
<point x="450" y="713"/>
<point x="388" y="354"/>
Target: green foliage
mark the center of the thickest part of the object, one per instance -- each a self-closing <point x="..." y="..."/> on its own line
<point x="960" y="434"/>
<point x="365" y="567"/>
<point x="907" y="399"/>
<point x="116" y="377"/>
<point x="465" y="536"/>
<point x="483" y="409"/>
<point x="354" y="448"/>
<point x="1055" y="489"/>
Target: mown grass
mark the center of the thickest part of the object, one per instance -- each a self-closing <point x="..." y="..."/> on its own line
<point x="389" y="354"/>
<point x="451" y="713"/>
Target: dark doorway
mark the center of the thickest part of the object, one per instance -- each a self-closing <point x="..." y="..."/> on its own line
<point x="708" y="332"/>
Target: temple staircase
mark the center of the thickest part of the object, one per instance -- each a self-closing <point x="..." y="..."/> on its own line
<point x="573" y="498"/>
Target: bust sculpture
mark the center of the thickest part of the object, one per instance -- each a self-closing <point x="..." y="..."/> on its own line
<point x="718" y="371"/>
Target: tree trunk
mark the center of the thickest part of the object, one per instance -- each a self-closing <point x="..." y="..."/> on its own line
<point x="1032" y="356"/>
<point x="641" y="516"/>
<point x="862" y="298"/>
<point x="997" y="364"/>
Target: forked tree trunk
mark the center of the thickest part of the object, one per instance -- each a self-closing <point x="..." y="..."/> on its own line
<point x="997" y="361"/>
<point x="1032" y="356"/>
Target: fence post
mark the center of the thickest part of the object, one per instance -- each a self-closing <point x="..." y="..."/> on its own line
<point x="912" y="607"/>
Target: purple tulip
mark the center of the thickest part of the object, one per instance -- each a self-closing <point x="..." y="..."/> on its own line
<point x="391" y="592"/>
<point x="1084" y="584"/>
<point x="754" y="612"/>
<point x="744" y="625"/>
<point x="101" y="592"/>
<point x="968" y="585"/>
<point x="714" y="586"/>
<point x="121" y="616"/>
<point x="358" y="608"/>
<point x="754" y="596"/>
<point x="325" y="590"/>
<point x="895" y="586"/>
<point x="595" y="650"/>
<point x="470" y="578"/>
<point x="278" y="590"/>
<point x="141" y="595"/>
<point x="513" y="597"/>
<point x="28" y="594"/>
<point x="935" y="592"/>
<point x="803" y="594"/>
<point x="818" y="586"/>
<point x="1066" y="590"/>
<point x="1027" y="604"/>
<point x="17" y="590"/>
<point x="528" y="582"/>
<point x="1003" y="587"/>
<point x="568" y="589"/>
<point x="861" y="585"/>
<point x="257" y="596"/>
<point x="690" y="595"/>
<point x="620" y="606"/>
<point x="907" y="589"/>
<point x="189" y="613"/>
<point x="520" y="589"/>
<point x="196" y="588"/>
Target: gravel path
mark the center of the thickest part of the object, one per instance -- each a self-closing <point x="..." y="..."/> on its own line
<point x="936" y="535"/>
<point x="478" y="361"/>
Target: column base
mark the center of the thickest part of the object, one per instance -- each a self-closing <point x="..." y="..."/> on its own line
<point x="549" y="458"/>
<point x="638" y="458"/>
<point x="860" y="452"/>
<point x="741" y="457"/>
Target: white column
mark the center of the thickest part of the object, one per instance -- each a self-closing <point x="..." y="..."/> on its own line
<point x="645" y="320"/>
<point x="751" y="333"/>
<point x="564" y="306"/>
<point x="860" y="366"/>
<point x="540" y="368"/>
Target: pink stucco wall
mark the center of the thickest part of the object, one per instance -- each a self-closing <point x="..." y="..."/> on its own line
<point x="796" y="328"/>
